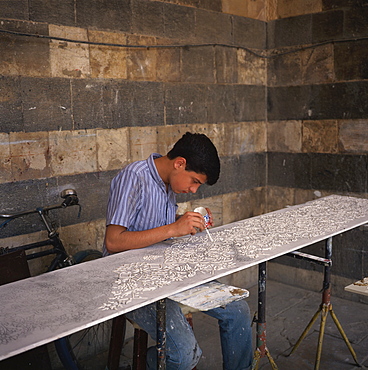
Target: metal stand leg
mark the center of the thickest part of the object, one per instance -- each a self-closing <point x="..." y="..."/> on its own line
<point x="261" y="350"/>
<point x="161" y="334"/>
<point x="324" y="309"/>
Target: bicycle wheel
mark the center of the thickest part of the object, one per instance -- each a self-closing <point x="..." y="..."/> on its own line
<point x="87" y="255"/>
<point x="88" y="348"/>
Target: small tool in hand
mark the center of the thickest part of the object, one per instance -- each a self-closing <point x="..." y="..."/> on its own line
<point x="206" y="217"/>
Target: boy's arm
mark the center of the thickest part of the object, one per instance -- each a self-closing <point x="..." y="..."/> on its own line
<point x="118" y="238"/>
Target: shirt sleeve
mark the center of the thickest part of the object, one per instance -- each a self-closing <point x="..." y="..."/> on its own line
<point x="124" y="200"/>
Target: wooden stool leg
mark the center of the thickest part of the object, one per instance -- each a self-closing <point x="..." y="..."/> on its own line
<point x="116" y="342"/>
<point x="140" y="349"/>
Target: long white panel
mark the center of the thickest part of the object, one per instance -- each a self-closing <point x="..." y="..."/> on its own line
<point x="41" y="309"/>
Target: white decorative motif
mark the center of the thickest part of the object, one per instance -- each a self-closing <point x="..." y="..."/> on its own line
<point x="240" y="241"/>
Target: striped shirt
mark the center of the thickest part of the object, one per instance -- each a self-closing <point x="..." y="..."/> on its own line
<point x="138" y="198"/>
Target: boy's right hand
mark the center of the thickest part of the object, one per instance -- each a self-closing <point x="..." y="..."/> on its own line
<point x="189" y="223"/>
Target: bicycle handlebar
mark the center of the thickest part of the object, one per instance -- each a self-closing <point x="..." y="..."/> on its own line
<point x="69" y="200"/>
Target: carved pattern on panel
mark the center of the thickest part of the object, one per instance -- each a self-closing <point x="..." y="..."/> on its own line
<point x="232" y="244"/>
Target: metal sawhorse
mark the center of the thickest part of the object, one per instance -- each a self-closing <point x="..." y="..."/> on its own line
<point x="325" y="307"/>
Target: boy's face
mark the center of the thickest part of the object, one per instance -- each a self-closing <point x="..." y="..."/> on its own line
<point x="184" y="181"/>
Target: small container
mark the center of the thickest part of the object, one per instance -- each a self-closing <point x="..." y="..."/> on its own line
<point x="205" y="215"/>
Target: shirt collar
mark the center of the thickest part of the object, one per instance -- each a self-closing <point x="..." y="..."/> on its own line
<point x="153" y="169"/>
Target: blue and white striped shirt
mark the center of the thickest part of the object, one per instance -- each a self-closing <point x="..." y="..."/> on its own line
<point x="138" y="198"/>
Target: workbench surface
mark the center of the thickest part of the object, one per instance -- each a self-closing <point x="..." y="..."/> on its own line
<point x="41" y="309"/>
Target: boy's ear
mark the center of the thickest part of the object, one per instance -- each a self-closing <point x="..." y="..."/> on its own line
<point x="180" y="162"/>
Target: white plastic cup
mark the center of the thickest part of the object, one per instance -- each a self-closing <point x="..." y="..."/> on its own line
<point x="205" y="215"/>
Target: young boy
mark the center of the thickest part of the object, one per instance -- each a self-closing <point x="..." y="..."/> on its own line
<point x="141" y="212"/>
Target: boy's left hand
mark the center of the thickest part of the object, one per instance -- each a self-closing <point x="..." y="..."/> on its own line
<point x="210" y="222"/>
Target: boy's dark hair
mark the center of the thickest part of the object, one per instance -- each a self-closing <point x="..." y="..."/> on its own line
<point x="200" y="154"/>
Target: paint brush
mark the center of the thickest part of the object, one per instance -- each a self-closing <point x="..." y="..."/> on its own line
<point x="209" y="235"/>
<point x="203" y="212"/>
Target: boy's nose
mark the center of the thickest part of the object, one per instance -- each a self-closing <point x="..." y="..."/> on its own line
<point x="193" y="189"/>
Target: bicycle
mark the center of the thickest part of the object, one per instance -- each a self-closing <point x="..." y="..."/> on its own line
<point x="89" y="341"/>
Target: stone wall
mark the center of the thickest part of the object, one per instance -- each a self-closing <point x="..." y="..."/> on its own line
<point x="77" y="104"/>
<point x="317" y="125"/>
<point x="280" y="87"/>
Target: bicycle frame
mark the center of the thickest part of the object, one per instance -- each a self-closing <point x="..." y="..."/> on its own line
<point x="62" y="259"/>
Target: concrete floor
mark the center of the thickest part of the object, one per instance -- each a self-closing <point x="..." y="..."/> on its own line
<point x="288" y="311"/>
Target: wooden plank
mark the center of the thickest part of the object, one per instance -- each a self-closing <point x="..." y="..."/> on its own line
<point x="359" y="287"/>
<point x="210" y="295"/>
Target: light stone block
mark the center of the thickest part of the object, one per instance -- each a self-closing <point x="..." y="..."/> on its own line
<point x="292" y="8"/>
<point x="251" y="69"/>
<point x="73" y="152"/>
<point x="278" y="198"/>
<point x="168" y="68"/>
<point x="244" y="137"/>
<point x="22" y="56"/>
<point x="5" y="159"/>
<point x="271" y="11"/>
<point x="252" y="138"/>
<point x="107" y="61"/>
<point x="167" y="136"/>
<point x="256" y="9"/>
<point x="16" y="241"/>
<point x="318" y="65"/>
<point x="215" y="132"/>
<point x="320" y="136"/>
<point x="69" y="59"/>
<point x="236" y="7"/>
<point x="233" y="206"/>
<point x="113" y="148"/>
<point x="353" y="136"/>
<point x="143" y="142"/>
<point x="87" y="235"/>
<point x="141" y="62"/>
<point x="29" y="155"/>
<point x="284" y="136"/>
<point x="241" y="205"/>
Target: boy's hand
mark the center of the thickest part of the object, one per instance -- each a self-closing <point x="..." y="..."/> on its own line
<point x="189" y="223"/>
<point x="210" y="222"/>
